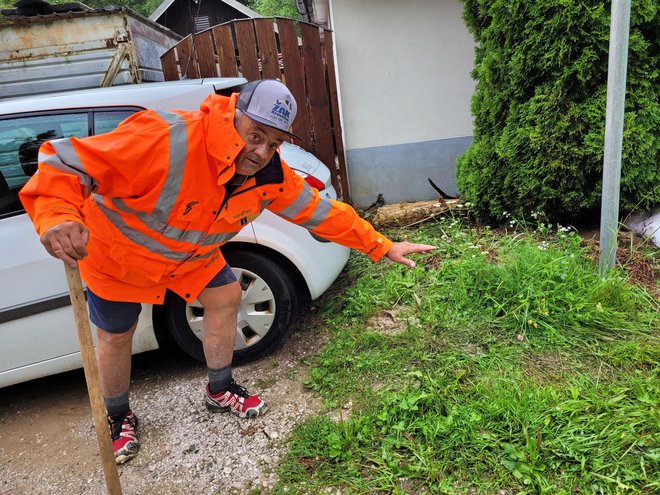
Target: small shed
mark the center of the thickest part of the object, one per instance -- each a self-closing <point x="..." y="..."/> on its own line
<point x="185" y="17"/>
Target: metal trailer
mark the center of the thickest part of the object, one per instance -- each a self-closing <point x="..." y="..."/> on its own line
<point x="42" y="54"/>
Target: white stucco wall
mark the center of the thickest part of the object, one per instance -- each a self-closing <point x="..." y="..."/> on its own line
<point x="404" y="78"/>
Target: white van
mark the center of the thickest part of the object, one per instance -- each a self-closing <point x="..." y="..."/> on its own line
<point x="278" y="264"/>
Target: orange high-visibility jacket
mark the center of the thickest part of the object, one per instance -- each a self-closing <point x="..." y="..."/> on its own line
<point x="152" y="194"/>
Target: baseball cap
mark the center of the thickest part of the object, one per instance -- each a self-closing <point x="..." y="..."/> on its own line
<point x="269" y="102"/>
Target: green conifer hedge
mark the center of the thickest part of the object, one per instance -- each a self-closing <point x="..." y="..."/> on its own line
<point x="539" y="108"/>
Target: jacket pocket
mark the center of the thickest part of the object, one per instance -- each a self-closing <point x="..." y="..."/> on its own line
<point x="126" y="264"/>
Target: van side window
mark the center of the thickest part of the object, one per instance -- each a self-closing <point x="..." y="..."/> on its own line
<point x="20" y="139"/>
<point x="107" y="120"/>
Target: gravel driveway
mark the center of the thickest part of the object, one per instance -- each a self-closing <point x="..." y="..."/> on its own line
<point x="48" y="444"/>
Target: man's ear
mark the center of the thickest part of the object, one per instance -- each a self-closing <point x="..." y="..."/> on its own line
<point x="238" y="117"/>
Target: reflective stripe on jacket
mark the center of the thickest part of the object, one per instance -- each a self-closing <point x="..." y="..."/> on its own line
<point x="152" y="194"/>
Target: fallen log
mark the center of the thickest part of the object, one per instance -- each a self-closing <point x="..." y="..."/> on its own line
<point x="405" y="214"/>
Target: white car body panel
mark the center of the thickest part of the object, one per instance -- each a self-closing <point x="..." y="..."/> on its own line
<point x="189" y="93"/>
<point x="323" y="269"/>
<point x="46" y="343"/>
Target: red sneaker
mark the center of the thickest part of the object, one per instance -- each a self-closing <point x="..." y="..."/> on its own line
<point x="124" y="437"/>
<point x="236" y="400"/>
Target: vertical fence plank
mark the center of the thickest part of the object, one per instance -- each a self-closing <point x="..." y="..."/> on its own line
<point x="247" y="49"/>
<point x="317" y="93"/>
<point x="224" y="47"/>
<point x="270" y="66"/>
<point x="205" y="54"/>
<point x="294" y="78"/>
<point x="187" y="62"/>
<point x="340" y="173"/>
<point x="168" y="63"/>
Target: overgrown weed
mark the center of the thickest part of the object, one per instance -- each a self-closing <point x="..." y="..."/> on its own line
<point x="519" y="369"/>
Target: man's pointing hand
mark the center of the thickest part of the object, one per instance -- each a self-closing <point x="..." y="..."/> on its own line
<point x="400" y="250"/>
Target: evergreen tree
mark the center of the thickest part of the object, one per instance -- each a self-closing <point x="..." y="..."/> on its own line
<point x="539" y="108"/>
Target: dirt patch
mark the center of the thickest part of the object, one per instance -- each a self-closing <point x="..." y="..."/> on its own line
<point x="641" y="269"/>
<point x="545" y="368"/>
<point x="390" y="322"/>
<point x="473" y="350"/>
<point x="636" y="256"/>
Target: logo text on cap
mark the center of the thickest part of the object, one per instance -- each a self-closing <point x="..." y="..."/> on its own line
<point x="282" y="110"/>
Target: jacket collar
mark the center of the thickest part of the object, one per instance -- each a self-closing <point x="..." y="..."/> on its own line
<point x="223" y="143"/>
<point x="270" y="174"/>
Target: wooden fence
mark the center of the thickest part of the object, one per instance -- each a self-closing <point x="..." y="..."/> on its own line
<point x="268" y="48"/>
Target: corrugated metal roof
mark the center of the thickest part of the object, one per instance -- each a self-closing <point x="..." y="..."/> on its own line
<point x="12" y="15"/>
<point x="23" y="19"/>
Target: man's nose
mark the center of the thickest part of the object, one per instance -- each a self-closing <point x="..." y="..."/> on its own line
<point x="262" y="151"/>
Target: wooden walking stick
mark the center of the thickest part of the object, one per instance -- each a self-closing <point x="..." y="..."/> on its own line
<point x="92" y="378"/>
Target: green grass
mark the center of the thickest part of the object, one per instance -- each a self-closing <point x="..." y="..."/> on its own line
<point x="514" y="368"/>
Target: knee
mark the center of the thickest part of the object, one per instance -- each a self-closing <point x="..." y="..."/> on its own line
<point x="224" y="298"/>
<point x="235" y="294"/>
<point x="232" y="297"/>
<point x="115" y="339"/>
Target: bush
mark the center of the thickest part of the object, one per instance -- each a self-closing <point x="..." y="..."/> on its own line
<point x="539" y="108"/>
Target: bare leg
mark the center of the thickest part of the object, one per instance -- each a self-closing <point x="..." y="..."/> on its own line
<point x="220" y="310"/>
<point x="113" y="353"/>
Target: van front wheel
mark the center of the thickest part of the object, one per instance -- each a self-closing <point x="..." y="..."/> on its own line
<point x="266" y="315"/>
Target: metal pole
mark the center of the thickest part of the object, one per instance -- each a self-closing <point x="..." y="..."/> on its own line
<point x="616" y="96"/>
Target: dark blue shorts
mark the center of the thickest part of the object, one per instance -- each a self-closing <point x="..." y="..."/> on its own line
<point x="118" y="317"/>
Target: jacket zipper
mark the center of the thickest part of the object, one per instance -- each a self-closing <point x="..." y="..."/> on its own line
<point x="232" y="195"/>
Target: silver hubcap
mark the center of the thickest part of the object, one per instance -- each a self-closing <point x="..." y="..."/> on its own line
<point x="256" y="312"/>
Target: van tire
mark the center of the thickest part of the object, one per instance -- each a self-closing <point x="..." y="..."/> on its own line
<point x="266" y="315"/>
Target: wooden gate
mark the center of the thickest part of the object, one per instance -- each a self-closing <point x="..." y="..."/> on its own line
<point x="268" y="48"/>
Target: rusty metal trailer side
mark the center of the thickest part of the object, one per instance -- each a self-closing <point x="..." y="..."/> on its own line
<point x="59" y="52"/>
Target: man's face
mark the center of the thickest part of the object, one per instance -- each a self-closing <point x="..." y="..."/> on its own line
<point x="261" y="142"/>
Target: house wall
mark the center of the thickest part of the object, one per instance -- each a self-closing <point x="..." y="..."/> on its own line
<point x="405" y="89"/>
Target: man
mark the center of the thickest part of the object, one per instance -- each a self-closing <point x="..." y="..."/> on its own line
<point x="145" y="208"/>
